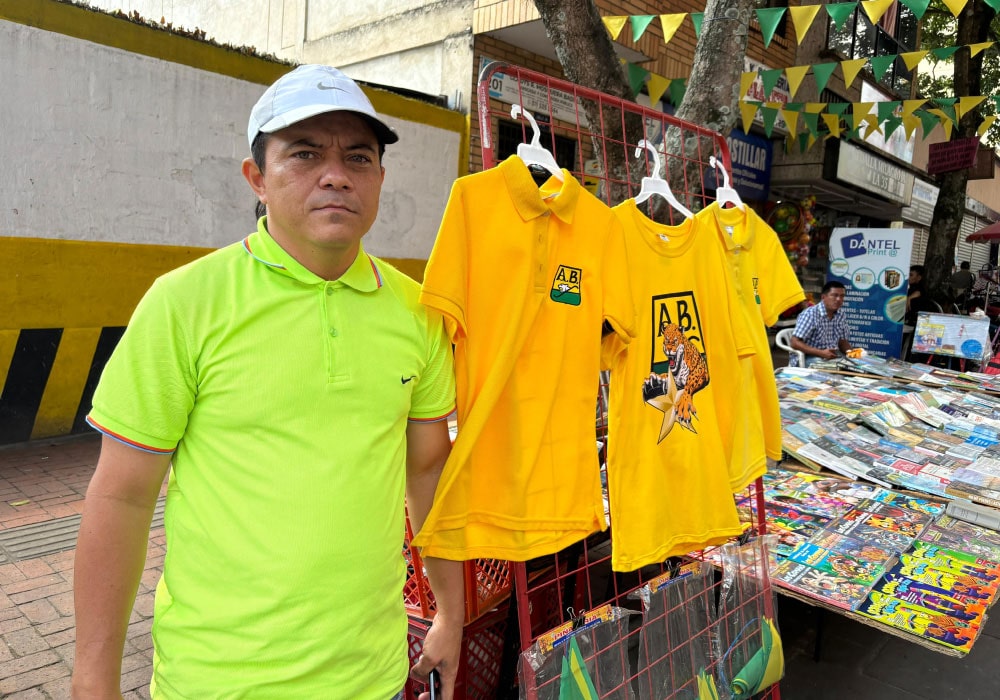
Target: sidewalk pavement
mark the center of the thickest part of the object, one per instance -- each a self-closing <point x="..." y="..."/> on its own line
<point x="41" y="495"/>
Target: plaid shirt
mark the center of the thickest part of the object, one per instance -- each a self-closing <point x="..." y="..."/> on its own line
<point x="813" y="327"/>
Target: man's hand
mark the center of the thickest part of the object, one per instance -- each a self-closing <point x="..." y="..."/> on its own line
<point x="442" y="650"/>
<point x="828" y="354"/>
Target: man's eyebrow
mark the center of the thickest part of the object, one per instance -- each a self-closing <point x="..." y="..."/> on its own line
<point x="302" y="142"/>
<point x="362" y="146"/>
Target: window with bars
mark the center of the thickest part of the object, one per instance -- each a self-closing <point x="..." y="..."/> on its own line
<point x="895" y="33"/>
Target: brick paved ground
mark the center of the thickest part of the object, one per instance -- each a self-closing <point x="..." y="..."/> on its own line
<point x="36" y="595"/>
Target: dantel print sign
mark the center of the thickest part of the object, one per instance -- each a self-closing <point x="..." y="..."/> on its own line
<point x="873" y="264"/>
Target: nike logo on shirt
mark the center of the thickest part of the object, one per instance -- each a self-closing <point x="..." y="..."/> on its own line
<point x="407" y="379"/>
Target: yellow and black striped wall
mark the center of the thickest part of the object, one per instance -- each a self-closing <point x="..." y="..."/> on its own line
<point x="65" y="301"/>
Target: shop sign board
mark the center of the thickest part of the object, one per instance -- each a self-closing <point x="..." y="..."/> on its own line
<point x="922" y="203"/>
<point x="751" y="157"/>
<point x="873" y="264"/>
<point x="874" y="174"/>
<point x="534" y="97"/>
<point x="781" y="92"/>
<point x="952" y="335"/>
<point x="952" y="155"/>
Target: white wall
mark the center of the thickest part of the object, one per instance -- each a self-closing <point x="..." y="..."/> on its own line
<point x="99" y="144"/>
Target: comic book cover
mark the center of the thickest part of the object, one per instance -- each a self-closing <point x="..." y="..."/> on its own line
<point x="787" y="541"/>
<point x="879" y="536"/>
<point x="964" y="530"/>
<point x="947" y="539"/>
<point x="835" y="590"/>
<point x="919" y="621"/>
<point x="940" y="560"/>
<point x="936" y="600"/>
<point x="920" y="505"/>
<point x="928" y="550"/>
<point x="784" y="517"/>
<point x="842" y="489"/>
<point x="853" y="547"/>
<point x="857" y="570"/>
<point x="890" y="519"/>
<point x="895" y="514"/>
<point x="921" y="570"/>
<point x="815" y="504"/>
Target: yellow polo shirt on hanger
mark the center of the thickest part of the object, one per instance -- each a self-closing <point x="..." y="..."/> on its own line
<point x="525" y="278"/>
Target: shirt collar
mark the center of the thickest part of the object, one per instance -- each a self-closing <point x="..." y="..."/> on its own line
<point x="362" y="275"/>
<point x="737" y="225"/>
<point x="527" y="196"/>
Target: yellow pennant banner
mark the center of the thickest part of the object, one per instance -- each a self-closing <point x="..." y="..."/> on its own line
<point x="795" y="74"/>
<point x="747" y="110"/>
<point x="815" y="107"/>
<point x="861" y="111"/>
<point x="853" y="67"/>
<point x="910" y="106"/>
<point x="671" y="23"/>
<point x="979" y="48"/>
<point x="913" y="58"/>
<point x="746" y="80"/>
<point x="910" y="125"/>
<point x="987" y="123"/>
<point x="876" y="8"/>
<point x="656" y="85"/>
<point x="791" y="118"/>
<point x="832" y="124"/>
<point x="802" y="18"/>
<point x="967" y="104"/>
<point x="614" y="25"/>
<point x="956" y="6"/>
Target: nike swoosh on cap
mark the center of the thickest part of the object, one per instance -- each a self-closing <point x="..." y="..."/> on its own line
<point x="323" y="86"/>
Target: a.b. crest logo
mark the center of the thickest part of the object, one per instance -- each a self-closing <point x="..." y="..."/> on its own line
<point x="566" y="285"/>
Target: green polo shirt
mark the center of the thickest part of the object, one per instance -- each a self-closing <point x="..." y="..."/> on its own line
<point x="285" y="400"/>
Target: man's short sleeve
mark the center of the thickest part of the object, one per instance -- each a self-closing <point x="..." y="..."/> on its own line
<point x="446" y="274"/>
<point x="804" y="324"/>
<point x="148" y="387"/>
<point x="843" y="330"/>
<point x="434" y="395"/>
<point x="619" y="309"/>
<point x="777" y="286"/>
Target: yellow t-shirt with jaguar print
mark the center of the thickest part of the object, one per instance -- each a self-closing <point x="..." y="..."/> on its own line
<point x="672" y="404"/>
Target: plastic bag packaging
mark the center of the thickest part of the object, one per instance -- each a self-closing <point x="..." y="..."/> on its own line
<point x="586" y="659"/>
<point x="675" y="650"/>
<point x="747" y="643"/>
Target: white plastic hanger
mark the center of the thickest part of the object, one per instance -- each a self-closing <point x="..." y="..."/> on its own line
<point x="533" y="153"/>
<point x="656" y="184"/>
<point x="725" y="194"/>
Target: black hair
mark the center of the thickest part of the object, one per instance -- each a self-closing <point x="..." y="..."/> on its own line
<point x="258" y="149"/>
<point x="965" y="265"/>
<point x="831" y="285"/>
<point x="919" y="269"/>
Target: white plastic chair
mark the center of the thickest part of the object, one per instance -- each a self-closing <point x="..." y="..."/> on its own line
<point x="784" y="341"/>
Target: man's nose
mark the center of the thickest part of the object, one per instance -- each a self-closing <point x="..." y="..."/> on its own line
<point x="335" y="175"/>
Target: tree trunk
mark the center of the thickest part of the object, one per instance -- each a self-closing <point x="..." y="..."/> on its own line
<point x="973" y="27"/>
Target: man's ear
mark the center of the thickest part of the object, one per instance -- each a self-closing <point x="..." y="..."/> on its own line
<point x="255" y="178"/>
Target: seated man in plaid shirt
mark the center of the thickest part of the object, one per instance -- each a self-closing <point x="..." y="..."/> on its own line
<point x="821" y="330"/>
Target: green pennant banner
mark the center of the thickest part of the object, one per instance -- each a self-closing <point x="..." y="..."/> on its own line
<point x="944" y="53"/>
<point x="886" y="110"/>
<point x="639" y="24"/>
<point x="917" y="7"/>
<point x="945" y="101"/>
<point x="696" y="18"/>
<point x="823" y="71"/>
<point x="840" y="11"/>
<point x="927" y="120"/>
<point x="794" y="106"/>
<point x="677" y="89"/>
<point x="769" y="18"/>
<point x="769" y="80"/>
<point x="768" y="114"/>
<point x="837" y="108"/>
<point x="812" y="122"/>
<point x="891" y="124"/>
<point x="996" y="102"/>
<point x="636" y="77"/>
<point x="880" y="64"/>
<point x="949" y="110"/>
<point x="995" y="4"/>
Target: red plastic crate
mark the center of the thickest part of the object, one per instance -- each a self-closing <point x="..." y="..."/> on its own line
<point x="482" y="652"/>
<point x="488" y="582"/>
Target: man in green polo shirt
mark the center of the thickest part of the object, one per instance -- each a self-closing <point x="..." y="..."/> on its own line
<point x="297" y="387"/>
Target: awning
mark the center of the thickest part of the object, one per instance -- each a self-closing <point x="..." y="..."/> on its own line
<point x="989" y="234"/>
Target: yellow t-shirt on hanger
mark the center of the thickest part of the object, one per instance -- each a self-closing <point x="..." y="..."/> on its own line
<point x="672" y="401"/>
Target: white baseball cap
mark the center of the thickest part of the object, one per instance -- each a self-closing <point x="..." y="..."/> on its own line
<point x="310" y="90"/>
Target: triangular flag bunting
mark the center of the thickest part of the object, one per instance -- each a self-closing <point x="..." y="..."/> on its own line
<point x="769" y="18"/>
<point x="996" y="102"/>
<point x="880" y="64"/>
<point x="815" y="107"/>
<point x="811" y="121"/>
<point x="802" y="18"/>
<point x="852" y="68"/>
<point x="769" y="114"/>
<point x="861" y="111"/>
<point x="636" y="77"/>
<point x="823" y="71"/>
<point x="802" y="140"/>
<point x="918" y="8"/>
<point x="947" y="126"/>
<point x="985" y="126"/>
<point x="769" y="80"/>
<point x="812" y="141"/>
<point x="927" y="120"/>
<point x="791" y="120"/>
<point x="978" y="48"/>
<point x="967" y="104"/>
<point x="696" y="18"/>
<point x="746" y="80"/>
<point x="614" y="25"/>
<point x="840" y="11"/>
<point x="943" y="115"/>
<point x="945" y="101"/>
<point x="832" y="122"/>
<point x="677" y="89"/>
<point x="886" y="109"/>
<point x="995" y="4"/>
<point x="671" y="23"/>
<point x="795" y="74"/>
<point x="956" y="6"/>
<point x="910" y="125"/>
<point x="657" y="85"/>
<point x="639" y="24"/>
<point x="837" y="108"/>
<point x="748" y="110"/>
<point x="871" y="129"/>
<point x="945" y="52"/>
<point x="794" y="106"/>
<point x="910" y="106"/>
<point x="913" y="58"/>
<point x="876" y="8"/>
<point x="891" y="124"/>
